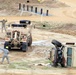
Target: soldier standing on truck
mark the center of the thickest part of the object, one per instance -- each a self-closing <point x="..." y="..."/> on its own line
<point x="5" y="55"/>
<point x="3" y="24"/>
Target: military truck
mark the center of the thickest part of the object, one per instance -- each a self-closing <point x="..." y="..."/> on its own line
<point x="18" y="35"/>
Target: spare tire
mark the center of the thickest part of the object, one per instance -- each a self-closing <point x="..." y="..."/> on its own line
<point x="57" y="43"/>
<point x="25" y="21"/>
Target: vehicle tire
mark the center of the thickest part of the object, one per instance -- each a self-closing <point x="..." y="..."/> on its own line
<point x="25" y="21"/>
<point x="29" y="40"/>
<point x="55" y="42"/>
<point x="62" y="65"/>
<point x="6" y="44"/>
<point x="24" y="47"/>
<point x="63" y="62"/>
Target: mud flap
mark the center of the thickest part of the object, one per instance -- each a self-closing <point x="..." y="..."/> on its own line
<point x="30" y="41"/>
<point x="24" y="47"/>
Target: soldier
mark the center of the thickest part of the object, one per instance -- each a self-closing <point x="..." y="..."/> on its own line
<point x="6" y="52"/>
<point x="3" y="24"/>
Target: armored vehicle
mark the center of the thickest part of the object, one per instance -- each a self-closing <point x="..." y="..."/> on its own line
<point x="18" y="35"/>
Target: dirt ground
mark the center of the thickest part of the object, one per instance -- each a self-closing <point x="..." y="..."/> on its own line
<point x="25" y="63"/>
<point x="62" y="21"/>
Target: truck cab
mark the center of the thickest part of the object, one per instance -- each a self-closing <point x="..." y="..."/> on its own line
<point x="18" y="35"/>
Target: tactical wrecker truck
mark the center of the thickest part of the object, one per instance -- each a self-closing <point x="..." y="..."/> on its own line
<point x="18" y="35"/>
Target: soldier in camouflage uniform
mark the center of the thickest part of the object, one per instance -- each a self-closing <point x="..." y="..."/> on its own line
<point x="6" y="52"/>
<point x="3" y="24"/>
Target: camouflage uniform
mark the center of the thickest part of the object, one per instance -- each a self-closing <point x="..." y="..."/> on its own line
<point x="6" y="52"/>
<point x="3" y="24"/>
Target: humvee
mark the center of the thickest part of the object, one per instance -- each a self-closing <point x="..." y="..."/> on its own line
<point x="18" y="35"/>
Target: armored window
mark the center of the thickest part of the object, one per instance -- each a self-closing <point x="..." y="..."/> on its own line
<point x="19" y="25"/>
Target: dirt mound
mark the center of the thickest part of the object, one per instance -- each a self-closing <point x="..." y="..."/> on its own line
<point x="66" y="29"/>
<point x="54" y="3"/>
<point x="11" y="7"/>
